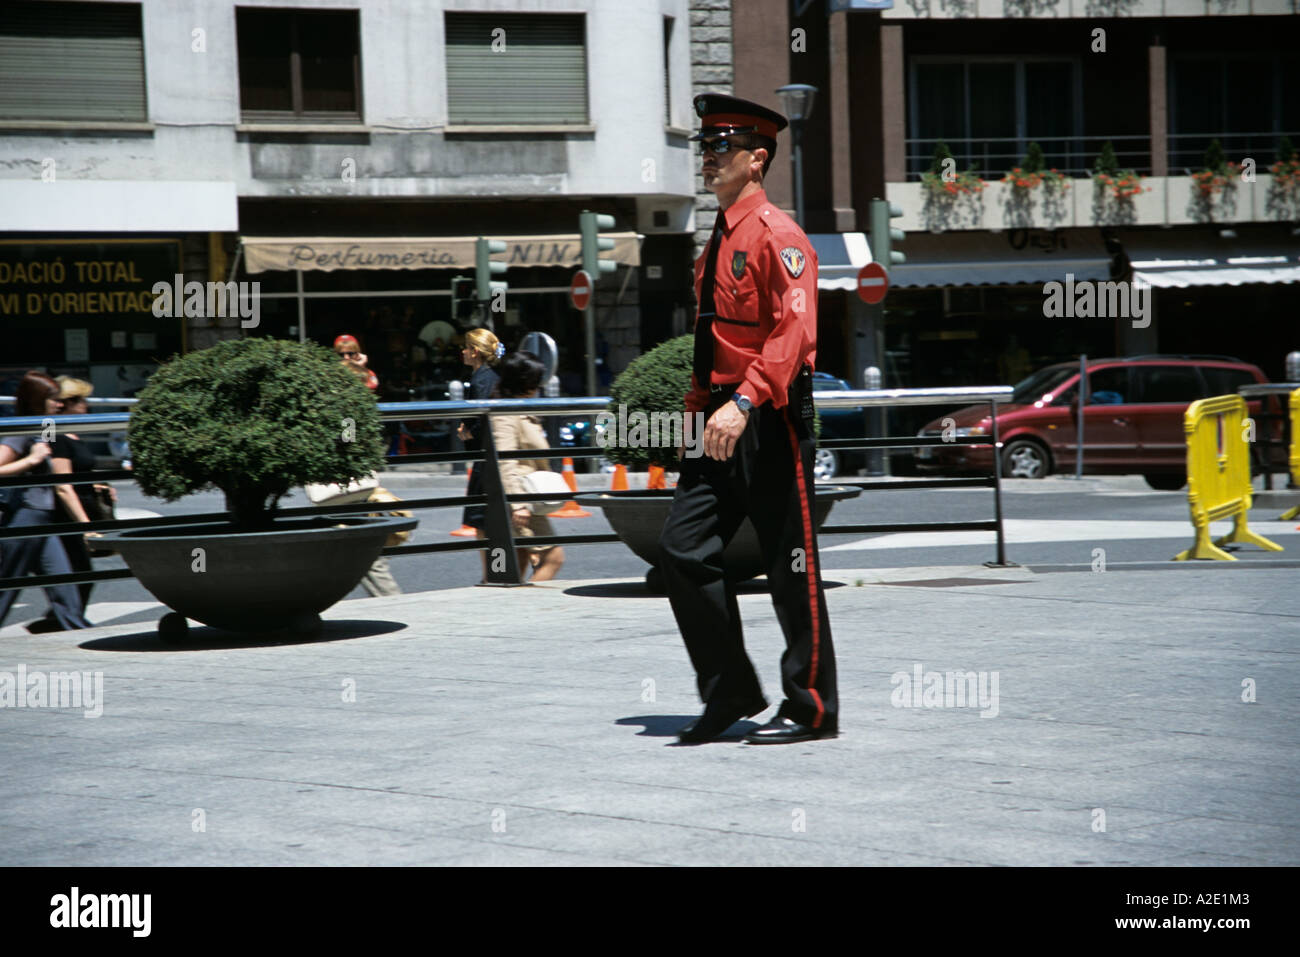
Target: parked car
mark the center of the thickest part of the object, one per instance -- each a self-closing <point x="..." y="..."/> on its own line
<point x="837" y="424"/>
<point x="1133" y="419"/>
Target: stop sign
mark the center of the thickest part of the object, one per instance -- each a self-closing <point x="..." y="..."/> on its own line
<point x="873" y="283"/>
<point x="580" y="290"/>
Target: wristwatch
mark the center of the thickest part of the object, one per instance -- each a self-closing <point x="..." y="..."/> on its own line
<point x="745" y="403"/>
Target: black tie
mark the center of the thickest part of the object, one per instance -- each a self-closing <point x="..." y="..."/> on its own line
<point x="704" y="322"/>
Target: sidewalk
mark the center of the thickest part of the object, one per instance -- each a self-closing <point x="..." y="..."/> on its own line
<point x="535" y="726"/>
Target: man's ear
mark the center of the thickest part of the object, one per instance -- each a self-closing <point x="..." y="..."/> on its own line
<point x="761" y="160"/>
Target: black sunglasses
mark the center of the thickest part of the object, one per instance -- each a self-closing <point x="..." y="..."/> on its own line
<point x="720" y="146"/>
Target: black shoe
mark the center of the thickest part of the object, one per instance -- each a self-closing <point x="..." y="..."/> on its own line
<point x="43" y="626"/>
<point x="717" y="719"/>
<point x="782" y="730"/>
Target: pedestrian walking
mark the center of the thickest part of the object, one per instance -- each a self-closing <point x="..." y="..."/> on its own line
<point x="521" y="377"/>
<point x="482" y="351"/>
<point x="755" y="343"/>
<point x="96" y="500"/>
<point x="378" y="581"/>
<point x="38" y="394"/>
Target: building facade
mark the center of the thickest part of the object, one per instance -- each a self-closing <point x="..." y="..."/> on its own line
<point x="344" y="156"/>
<point x="1160" y="125"/>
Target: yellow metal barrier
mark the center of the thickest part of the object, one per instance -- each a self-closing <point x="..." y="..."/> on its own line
<point x="1218" y="475"/>
<point x="1295" y="452"/>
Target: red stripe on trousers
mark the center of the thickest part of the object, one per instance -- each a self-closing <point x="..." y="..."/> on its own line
<point x="811" y="568"/>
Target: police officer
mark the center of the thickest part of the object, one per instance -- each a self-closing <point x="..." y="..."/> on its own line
<point x="755" y="342"/>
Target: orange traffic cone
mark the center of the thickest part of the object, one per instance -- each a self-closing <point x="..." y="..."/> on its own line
<point x="620" y="479"/>
<point x="571" y="508"/>
<point x="467" y="531"/>
<point x="656" y="479"/>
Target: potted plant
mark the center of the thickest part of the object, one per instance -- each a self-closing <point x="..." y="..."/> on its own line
<point x="1215" y="184"/>
<point x="653" y="385"/>
<point x="1283" y="200"/>
<point x="1113" y="189"/>
<point x="1023" y="182"/>
<point x="952" y="198"/>
<point x="253" y="418"/>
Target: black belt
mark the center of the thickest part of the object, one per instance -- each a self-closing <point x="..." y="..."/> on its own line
<point x="724" y="387"/>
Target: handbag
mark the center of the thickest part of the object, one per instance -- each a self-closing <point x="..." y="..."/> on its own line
<point x="543" y="482"/>
<point x="335" y="494"/>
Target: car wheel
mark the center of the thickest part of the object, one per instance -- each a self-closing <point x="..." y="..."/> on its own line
<point x="1166" y="481"/>
<point x="825" y="464"/>
<point x="1024" y="458"/>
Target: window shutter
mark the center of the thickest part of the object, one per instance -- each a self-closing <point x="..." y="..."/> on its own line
<point x="72" y="61"/>
<point x="540" y="76"/>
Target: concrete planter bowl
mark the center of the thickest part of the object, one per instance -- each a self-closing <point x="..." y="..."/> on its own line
<point x="638" y="517"/>
<point x="254" y="581"/>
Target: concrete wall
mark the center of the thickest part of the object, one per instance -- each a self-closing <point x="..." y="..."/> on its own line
<point x="403" y="149"/>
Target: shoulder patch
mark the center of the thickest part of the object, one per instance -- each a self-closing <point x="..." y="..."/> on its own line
<point x="794" y="260"/>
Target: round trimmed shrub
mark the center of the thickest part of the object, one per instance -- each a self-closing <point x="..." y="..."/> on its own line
<point x="254" y="418"/>
<point x="656" y="381"/>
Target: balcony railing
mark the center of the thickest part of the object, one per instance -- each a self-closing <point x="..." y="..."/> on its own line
<point x="1076" y="155"/>
<point x="1187" y="150"/>
<point x="992" y="157"/>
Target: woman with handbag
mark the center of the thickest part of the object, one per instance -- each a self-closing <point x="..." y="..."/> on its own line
<point x="97" y="500"/>
<point x="521" y="377"/>
<point x="38" y="395"/>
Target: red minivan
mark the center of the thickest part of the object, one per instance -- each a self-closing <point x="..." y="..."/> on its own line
<point x="1133" y="419"/>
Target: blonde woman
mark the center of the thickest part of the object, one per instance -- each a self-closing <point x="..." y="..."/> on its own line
<point x="482" y="351"/>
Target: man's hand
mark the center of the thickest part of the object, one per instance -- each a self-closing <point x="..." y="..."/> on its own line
<point x="724" y="428"/>
<point x="521" y="516"/>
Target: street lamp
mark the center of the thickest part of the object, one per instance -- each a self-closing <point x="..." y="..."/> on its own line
<point x="797" y="101"/>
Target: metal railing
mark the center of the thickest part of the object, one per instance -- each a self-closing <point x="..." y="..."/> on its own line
<point x="992" y="157"/>
<point x="499" y="530"/>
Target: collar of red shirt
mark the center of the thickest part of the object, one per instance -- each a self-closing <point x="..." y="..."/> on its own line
<point x="742" y="208"/>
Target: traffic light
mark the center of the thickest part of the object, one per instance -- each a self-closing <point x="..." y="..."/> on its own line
<point x="883" y="236"/>
<point x="489" y="293"/>
<point x="593" y="243"/>
<point x="464" y="304"/>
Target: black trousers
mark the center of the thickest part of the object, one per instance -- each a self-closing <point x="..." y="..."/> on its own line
<point x="768" y="479"/>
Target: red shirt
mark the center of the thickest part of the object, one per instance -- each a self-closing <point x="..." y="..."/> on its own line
<point x="765" y="296"/>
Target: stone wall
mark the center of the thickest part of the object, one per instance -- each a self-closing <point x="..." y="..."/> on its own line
<point x="711" y="70"/>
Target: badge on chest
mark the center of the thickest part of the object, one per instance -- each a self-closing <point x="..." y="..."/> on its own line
<point x="737" y="264"/>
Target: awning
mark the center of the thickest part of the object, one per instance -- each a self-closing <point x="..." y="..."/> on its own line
<point x="1009" y="258"/>
<point x="93" y="206"/>
<point x="330" y="253"/>
<point x="839" y="257"/>
<point x="1176" y="260"/>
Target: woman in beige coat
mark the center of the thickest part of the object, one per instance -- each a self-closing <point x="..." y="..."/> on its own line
<point x="521" y="376"/>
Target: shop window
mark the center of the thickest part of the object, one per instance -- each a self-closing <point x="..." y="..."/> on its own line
<point x="988" y="111"/>
<point x="72" y="61"/>
<point x="516" y="69"/>
<point x="299" y="65"/>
